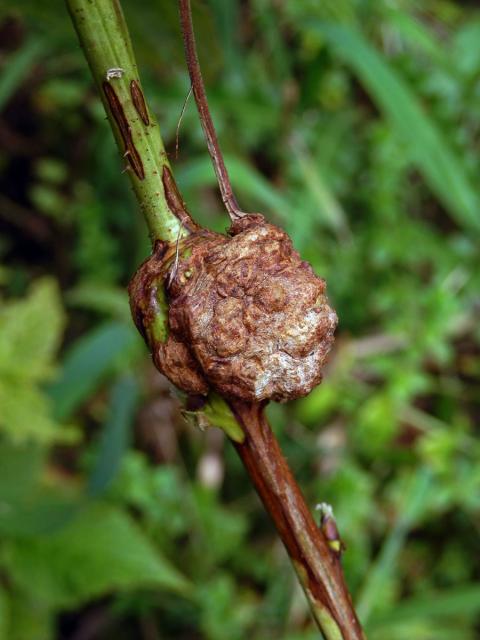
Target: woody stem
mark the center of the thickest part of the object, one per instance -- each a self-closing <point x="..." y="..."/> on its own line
<point x="317" y="566"/>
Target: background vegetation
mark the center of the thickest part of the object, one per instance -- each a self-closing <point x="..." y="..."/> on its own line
<point x="356" y="125"/>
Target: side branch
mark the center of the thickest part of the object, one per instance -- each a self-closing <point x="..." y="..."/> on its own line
<point x="193" y="65"/>
<point x="316" y="563"/>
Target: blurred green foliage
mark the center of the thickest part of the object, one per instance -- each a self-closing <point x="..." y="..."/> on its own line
<point x="353" y="123"/>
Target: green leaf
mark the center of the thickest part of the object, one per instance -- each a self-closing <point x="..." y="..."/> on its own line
<point x="326" y="207"/>
<point x="217" y="413"/>
<point x="20" y="468"/>
<point x="460" y="600"/>
<point x="26" y="506"/>
<point x="28" y="620"/>
<point x="88" y="362"/>
<point x="223" y="530"/>
<point x="100" y="298"/>
<point x="42" y="512"/>
<point x="221" y="600"/>
<point x="30" y="333"/>
<point x="26" y="415"/>
<point x="415" y="498"/>
<point x="418" y="36"/>
<point x="429" y="151"/>
<point x="100" y="551"/>
<point x="17" y="67"/>
<point x="4" y="615"/>
<point x="115" y="436"/>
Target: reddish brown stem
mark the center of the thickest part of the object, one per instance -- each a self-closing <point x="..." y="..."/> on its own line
<point x="193" y="65"/>
<point x="317" y="565"/>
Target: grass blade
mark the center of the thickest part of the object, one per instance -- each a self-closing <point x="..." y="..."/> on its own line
<point x="87" y="363"/>
<point x="461" y="600"/>
<point x="428" y="149"/>
<point x="18" y="66"/>
<point x="385" y="565"/>
<point x="116" y="434"/>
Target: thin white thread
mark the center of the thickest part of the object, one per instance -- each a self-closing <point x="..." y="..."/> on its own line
<point x="114" y="72"/>
<point x="185" y="102"/>
<point x="174" y="270"/>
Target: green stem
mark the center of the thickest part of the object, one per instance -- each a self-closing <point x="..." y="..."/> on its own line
<point x="103" y="34"/>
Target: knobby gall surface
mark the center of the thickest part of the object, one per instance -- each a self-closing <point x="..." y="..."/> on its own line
<point x="246" y="316"/>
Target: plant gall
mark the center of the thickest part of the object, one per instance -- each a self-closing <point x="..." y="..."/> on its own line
<point x="240" y="314"/>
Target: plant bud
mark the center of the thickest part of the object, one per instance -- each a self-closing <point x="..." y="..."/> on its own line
<point x="241" y="314"/>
